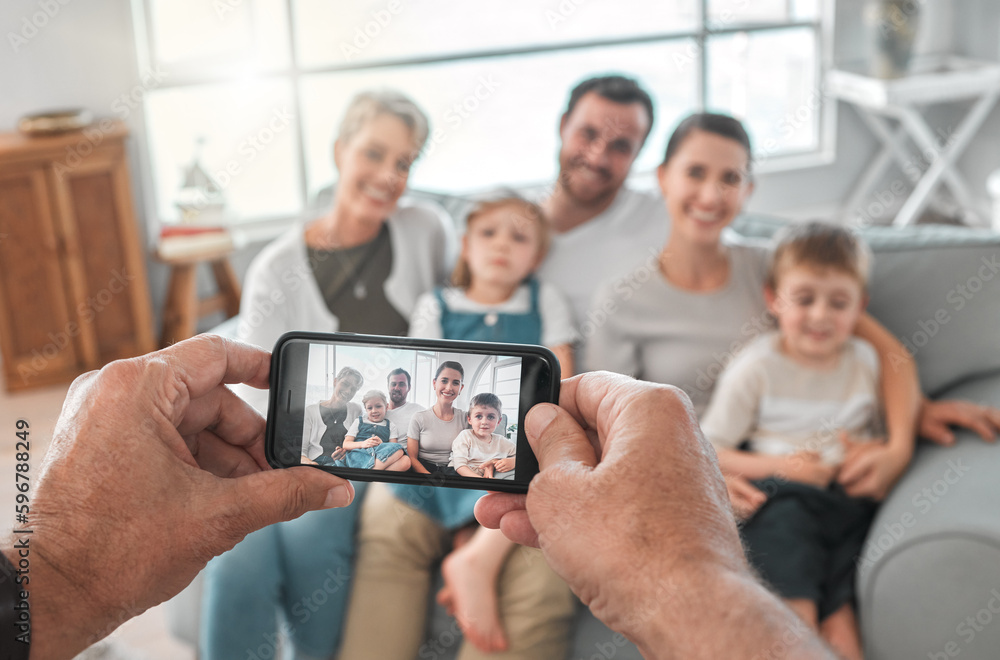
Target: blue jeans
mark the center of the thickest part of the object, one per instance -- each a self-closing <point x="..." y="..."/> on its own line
<point x="295" y="574"/>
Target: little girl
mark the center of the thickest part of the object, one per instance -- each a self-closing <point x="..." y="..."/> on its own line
<point x="378" y="449"/>
<point x="494" y="297"/>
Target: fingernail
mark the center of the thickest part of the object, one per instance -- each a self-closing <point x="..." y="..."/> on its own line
<point x="539" y="418"/>
<point x="338" y="497"/>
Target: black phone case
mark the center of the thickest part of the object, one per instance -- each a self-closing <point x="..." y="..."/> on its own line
<point x="355" y="474"/>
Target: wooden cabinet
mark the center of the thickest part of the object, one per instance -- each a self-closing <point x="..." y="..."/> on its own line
<point x="73" y="287"/>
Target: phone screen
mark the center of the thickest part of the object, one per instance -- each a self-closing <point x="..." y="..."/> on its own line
<point x="405" y="410"/>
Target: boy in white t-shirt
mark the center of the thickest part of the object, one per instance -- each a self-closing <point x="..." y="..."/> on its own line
<point x="478" y="451"/>
<point x="801" y="397"/>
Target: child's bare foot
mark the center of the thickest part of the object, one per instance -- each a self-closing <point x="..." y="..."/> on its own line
<point x="470" y="595"/>
<point x="458" y="539"/>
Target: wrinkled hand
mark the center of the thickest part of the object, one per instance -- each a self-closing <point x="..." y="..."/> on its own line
<point x="155" y="467"/>
<point x="936" y="418"/>
<point x="807" y="467"/>
<point x="744" y="496"/>
<point x="619" y="527"/>
<point x="870" y="469"/>
<point x="504" y="464"/>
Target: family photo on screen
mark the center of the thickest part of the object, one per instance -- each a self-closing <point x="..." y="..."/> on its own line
<point x="424" y="412"/>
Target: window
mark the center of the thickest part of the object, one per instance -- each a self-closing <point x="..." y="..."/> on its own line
<point x="425" y="363"/>
<point x="501" y="376"/>
<point x="254" y="89"/>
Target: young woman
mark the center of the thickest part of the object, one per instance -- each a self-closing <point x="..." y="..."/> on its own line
<point x="432" y="431"/>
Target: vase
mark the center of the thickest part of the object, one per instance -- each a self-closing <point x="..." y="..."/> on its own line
<point x="892" y="27"/>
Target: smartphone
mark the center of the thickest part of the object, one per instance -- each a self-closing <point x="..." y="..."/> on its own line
<point x="363" y="407"/>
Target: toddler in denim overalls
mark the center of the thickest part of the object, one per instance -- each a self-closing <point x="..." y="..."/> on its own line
<point x="495" y="298"/>
<point x="373" y="445"/>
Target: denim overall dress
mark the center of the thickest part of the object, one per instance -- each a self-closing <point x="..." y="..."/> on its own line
<point x="364" y="459"/>
<point x="453" y="507"/>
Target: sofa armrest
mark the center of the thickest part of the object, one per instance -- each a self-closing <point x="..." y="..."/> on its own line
<point x="932" y="557"/>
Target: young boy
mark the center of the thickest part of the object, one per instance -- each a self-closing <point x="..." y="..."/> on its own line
<point x="798" y="395"/>
<point x="478" y="451"/>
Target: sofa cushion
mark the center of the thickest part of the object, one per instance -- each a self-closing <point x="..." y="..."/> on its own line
<point x="937" y="288"/>
<point x="932" y="557"/>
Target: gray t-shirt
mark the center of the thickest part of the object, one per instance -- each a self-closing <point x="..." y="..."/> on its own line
<point x="435" y="435"/>
<point x="658" y="332"/>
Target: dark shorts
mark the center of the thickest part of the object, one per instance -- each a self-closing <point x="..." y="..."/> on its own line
<point x="439" y="468"/>
<point x="805" y="542"/>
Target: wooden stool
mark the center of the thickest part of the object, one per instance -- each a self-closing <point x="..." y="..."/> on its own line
<point x="183" y="308"/>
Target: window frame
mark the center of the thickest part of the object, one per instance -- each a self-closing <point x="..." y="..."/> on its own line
<point x="263" y="227"/>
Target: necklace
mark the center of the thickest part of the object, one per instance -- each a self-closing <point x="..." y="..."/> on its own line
<point x="360" y="290"/>
<point x="351" y="267"/>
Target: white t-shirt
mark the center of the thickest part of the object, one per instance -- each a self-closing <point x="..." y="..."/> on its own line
<point x="557" y="318"/>
<point x="627" y="235"/>
<point x="353" y="430"/>
<point x="469" y="451"/>
<point x="783" y="407"/>
<point x="402" y="415"/>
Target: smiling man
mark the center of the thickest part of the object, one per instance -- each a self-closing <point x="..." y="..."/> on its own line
<point x="400" y="410"/>
<point x="602" y="229"/>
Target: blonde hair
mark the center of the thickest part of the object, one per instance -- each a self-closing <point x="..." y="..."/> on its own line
<point x="819" y="244"/>
<point x="525" y="211"/>
<point x="367" y="105"/>
<point x="374" y="394"/>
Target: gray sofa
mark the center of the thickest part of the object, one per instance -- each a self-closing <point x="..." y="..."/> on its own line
<point x="929" y="578"/>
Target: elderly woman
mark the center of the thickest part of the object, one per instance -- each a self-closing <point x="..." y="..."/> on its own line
<point x="359" y="268"/>
<point x="325" y="423"/>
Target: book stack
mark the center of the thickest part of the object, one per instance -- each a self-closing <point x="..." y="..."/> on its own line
<point x="190" y="241"/>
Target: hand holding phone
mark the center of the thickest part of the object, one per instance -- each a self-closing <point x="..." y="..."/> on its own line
<point x="457" y="404"/>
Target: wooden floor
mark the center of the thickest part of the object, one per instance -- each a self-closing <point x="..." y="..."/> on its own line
<point x="144" y="638"/>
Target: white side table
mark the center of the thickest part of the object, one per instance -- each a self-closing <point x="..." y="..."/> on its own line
<point x="932" y="80"/>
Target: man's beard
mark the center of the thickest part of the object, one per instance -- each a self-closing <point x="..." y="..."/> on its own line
<point x="582" y="193"/>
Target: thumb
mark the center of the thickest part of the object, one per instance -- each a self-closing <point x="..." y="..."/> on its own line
<point x="264" y="498"/>
<point x="556" y="437"/>
<point x="558" y="492"/>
